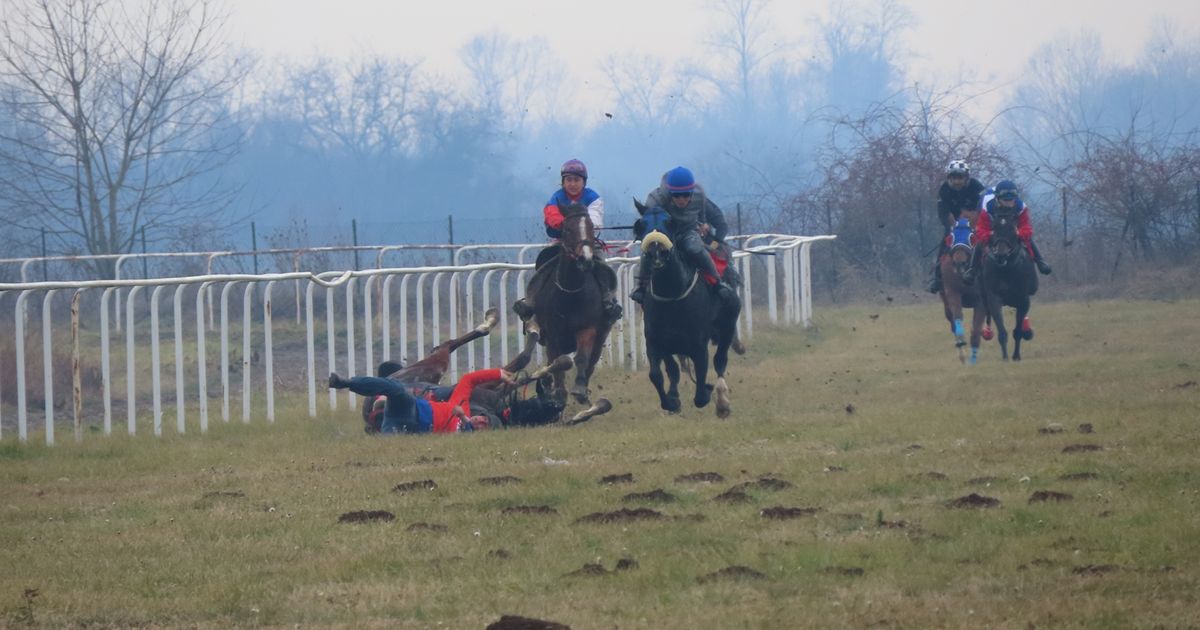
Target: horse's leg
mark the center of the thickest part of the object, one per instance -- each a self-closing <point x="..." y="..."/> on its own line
<point x="656" y="377"/>
<point x="673" y="378"/>
<point x="720" y="362"/>
<point x="700" y="366"/>
<point x="978" y="315"/>
<point x="585" y="341"/>
<point x="559" y="382"/>
<point x="996" y="308"/>
<point x="1019" y="328"/>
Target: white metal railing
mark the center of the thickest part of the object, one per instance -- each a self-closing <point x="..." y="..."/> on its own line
<point x="432" y="301"/>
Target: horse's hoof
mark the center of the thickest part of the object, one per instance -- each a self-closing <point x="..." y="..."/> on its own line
<point x="671" y="405"/>
<point x="738" y="346"/>
<point x="1028" y="334"/>
<point x="580" y="394"/>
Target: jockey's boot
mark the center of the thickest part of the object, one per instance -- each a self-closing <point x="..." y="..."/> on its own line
<point x="523" y="309"/>
<point x="935" y="281"/>
<point x="725" y="293"/>
<point x="972" y="270"/>
<point x="643" y="278"/>
<point x="612" y="309"/>
<point x="337" y="382"/>
<point x="1042" y="267"/>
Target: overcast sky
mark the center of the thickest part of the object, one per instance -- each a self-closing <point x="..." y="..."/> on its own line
<point x="952" y="38"/>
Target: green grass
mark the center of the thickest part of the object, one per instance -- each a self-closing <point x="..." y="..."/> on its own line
<point x="123" y="531"/>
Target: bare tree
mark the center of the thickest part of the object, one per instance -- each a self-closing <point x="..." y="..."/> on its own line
<point x="117" y="111"/>
<point x="512" y="75"/>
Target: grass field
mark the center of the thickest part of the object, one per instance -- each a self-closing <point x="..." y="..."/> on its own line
<point x="848" y="445"/>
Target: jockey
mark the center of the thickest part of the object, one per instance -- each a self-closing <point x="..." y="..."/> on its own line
<point x="1006" y="198"/>
<point x="573" y="177"/>
<point x="405" y="413"/>
<point x="959" y="192"/>
<point x="697" y="226"/>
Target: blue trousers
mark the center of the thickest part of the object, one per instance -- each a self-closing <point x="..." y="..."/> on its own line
<point x="401" y="413"/>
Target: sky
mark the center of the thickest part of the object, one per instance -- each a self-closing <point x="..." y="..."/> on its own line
<point x="987" y="41"/>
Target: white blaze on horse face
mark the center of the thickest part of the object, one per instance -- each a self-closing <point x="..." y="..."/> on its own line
<point x="586" y="252"/>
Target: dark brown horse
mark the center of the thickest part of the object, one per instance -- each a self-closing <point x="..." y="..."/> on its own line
<point x="1009" y="279"/>
<point x="957" y="294"/>
<point x="569" y="310"/>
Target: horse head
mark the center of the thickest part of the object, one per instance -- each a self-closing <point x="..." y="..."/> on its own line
<point x="1005" y="247"/>
<point x="578" y="238"/>
<point x="657" y="246"/>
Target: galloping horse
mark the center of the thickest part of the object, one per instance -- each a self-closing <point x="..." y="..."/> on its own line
<point x="569" y="310"/>
<point x="1008" y="279"/>
<point x="681" y="317"/>
<point x="956" y="293"/>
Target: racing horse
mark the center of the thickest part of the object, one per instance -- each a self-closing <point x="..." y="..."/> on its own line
<point x="569" y="311"/>
<point x="1008" y="279"/>
<point x="956" y="293"/>
<point x="682" y="316"/>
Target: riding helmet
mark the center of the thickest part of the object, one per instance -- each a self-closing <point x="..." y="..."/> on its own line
<point x="958" y="167"/>
<point x="680" y="179"/>
<point x="573" y="167"/>
<point x="1006" y="189"/>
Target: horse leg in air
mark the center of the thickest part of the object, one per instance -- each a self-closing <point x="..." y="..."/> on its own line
<point x="673" y="378"/>
<point x="1019" y="329"/>
<point x="996" y="308"/>
<point x="584" y="342"/>
<point x="978" y="315"/>
<point x="720" y="361"/>
<point x="700" y="365"/>
<point x="656" y="377"/>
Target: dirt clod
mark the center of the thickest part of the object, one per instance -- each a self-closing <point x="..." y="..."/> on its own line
<point x="425" y="459"/>
<point x="1185" y="385"/>
<point x="913" y="447"/>
<point x="1051" y="429"/>
<point x="735" y="572"/>
<point x="657" y="494"/>
<point x="782" y="513"/>
<point x="363" y="516"/>
<point x="407" y="486"/>
<point x="621" y="478"/>
<point x="1079" y="476"/>
<point x="932" y="475"/>
<point x="733" y="496"/>
<point x="502" y="480"/>
<point x="834" y="469"/>
<point x="419" y="526"/>
<point x="847" y="571"/>
<point x="1081" y="448"/>
<point x="1042" y="496"/>
<point x="529" y="509"/>
<point x="500" y="554"/>
<point x="588" y="570"/>
<point x="623" y="515"/>
<point x="763" y="483"/>
<point x="517" y="622"/>
<point x="973" y="501"/>
<point x="626" y="564"/>
<point x="709" y="477"/>
<point x="1086" y="427"/>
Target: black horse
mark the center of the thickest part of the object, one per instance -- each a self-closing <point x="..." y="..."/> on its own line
<point x="682" y="315"/>
<point x="1009" y="279"/>
<point x="569" y="304"/>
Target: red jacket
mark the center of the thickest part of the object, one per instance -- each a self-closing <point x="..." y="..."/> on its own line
<point x="983" y="227"/>
<point x="444" y="420"/>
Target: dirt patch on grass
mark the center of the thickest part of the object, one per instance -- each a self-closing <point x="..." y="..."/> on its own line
<point x="1079" y="476"/>
<point x="1095" y="569"/>
<point x="626" y="564"/>
<point x="364" y="516"/>
<point x="780" y="512"/>
<point x="658" y="494"/>
<point x="500" y="554"/>
<point x="588" y="570"/>
<point x="735" y="572"/>
<point x="913" y="447"/>
<point x="1086" y="427"/>
<point x="1044" y="496"/>
<point x="973" y="501"/>
<point x="706" y="477"/>
<point x="845" y="571"/>
<point x="502" y="480"/>
<point x="763" y="483"/>
<point x="409" y="486"/>
<point x="932" y="475"/>
<point x="733" y="496"/>
<point x="517" y="622"/>
<point x="831" y="469"/>
<point x="529" y="509"/>
<point x="614" y="479"/>
<point x="1082" y="448"/>
<point x="623" y="515"/>
<point x="1186" y="385"/>
<point x="1036" y="562"/>
<point x="426" y="459"/>
<point x="420" y="526"/>
<point x="986" y="480"/>
<point x="847" y="516"/>
<point x="1051" y="429"/>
